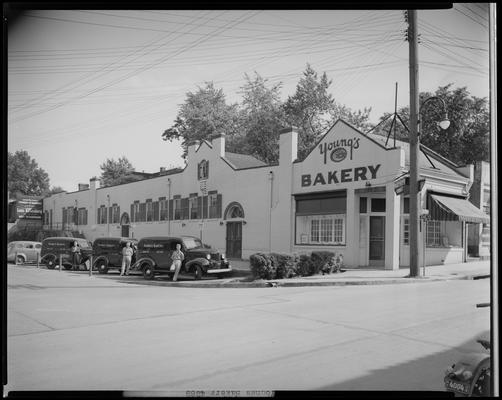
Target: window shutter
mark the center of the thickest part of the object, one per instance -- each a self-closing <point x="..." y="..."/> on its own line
<point x="170" y="215"/>
<point x="75" y="215"/>
<point x="142" y="212"/>
<point x="156" y="211"/>
<point x="118" y="215"/>
<point x="85" y="217"/>
<point x="204" y="207"/>
<point x="132" y="213"/>
<point x="184" y="208"/>
<point x="110" y="214"/>
<point x="218" y="205"/>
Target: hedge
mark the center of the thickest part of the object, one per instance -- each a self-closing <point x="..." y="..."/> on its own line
<point x="279" y="265"/>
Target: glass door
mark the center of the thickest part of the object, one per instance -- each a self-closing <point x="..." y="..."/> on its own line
<point x="377" y="240"/>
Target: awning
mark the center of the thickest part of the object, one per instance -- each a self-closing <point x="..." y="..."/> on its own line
<point x="456" y="209"/>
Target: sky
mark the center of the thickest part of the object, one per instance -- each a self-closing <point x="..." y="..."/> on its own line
<point x="85" y="86"/>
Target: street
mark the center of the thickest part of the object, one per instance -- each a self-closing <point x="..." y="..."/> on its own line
<point x="69" y="331"/>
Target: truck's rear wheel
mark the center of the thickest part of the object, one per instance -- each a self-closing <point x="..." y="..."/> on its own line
<point x="50" y="262"/>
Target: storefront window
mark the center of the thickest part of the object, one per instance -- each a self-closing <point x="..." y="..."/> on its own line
<point x="377" y="205"/>
<point x="406" y="231"/>
<point x="363" y="205"/>
<point x="321" y="229"/>
<point x="320" y="219"/>
<point x="434" y="233"/>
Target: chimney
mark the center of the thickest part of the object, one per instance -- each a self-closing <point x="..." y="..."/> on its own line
<point x="94" y="183"/>
<point x="218" y="142"/>
<point x="162" y="170"/>
<point x="83" y="186"/>
<point x="288" y="145"/>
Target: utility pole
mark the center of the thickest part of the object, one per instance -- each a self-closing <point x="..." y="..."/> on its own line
<point x="414" y="141"/>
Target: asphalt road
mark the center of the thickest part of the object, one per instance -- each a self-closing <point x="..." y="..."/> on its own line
<point x="69" y="331"/>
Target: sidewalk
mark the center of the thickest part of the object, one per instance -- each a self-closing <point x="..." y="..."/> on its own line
<point x="242" y="276"/>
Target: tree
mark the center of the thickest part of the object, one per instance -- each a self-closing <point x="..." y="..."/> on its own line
<point x="466" y="140"/>
<point x="313" y="110"/>
<point x="24" y="175"/>
<point x="54" y="190"/>
<point x="262" y="119"/>
<point x="203" y="113"/>
<point x="117" y="172"/>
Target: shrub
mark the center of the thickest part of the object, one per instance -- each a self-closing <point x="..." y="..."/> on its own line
<point x="262" y="266"/>
<point x="324" y="262"/>
<point x="285" y="265"/>
<point x="305" y="266"/>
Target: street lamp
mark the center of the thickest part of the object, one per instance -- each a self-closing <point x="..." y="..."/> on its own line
<point x="444" y="123"/>
<point x="414" y="137"/>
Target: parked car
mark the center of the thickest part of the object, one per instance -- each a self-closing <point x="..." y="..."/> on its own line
<point x="107" y="253"/>
<point x="154" y="257"/>
<point x="25" y="251"/>
<point x="53" y="247"/>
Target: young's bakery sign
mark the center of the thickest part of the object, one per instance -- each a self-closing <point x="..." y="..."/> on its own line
<point x="338" y="150"/>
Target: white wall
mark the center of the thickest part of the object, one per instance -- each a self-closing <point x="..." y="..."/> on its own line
<point x="249" y="187"/>
<point x="364" y="153"/>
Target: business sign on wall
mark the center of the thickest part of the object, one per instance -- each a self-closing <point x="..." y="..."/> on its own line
<point x="334" y="152"/>
<point x="338" y="150"/>
<point x="341" y="176"/>
<point x="29" y="208"/>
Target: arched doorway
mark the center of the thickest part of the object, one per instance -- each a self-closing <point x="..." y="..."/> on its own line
<point x="234" y="215"/>
<point x="124" y="224"/>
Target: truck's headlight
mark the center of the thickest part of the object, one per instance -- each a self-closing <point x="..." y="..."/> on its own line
<point x="208" y="256"/>
<point x="467" y="375"/>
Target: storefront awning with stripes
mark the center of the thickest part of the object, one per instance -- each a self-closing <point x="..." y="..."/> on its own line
<point x="446" y="208"/>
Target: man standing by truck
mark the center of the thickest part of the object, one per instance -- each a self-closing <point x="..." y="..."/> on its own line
<point x="127" y="253"/>
<point x="177" y="258"/>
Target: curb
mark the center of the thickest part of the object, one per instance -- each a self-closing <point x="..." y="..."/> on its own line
<point x="235" y="283"/>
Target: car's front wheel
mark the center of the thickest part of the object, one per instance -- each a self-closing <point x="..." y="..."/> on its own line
<point x="148" y="272"/>
<point x="198" y="272"/>
<point x="19" y="260"/>
<point x="102" y="267"/>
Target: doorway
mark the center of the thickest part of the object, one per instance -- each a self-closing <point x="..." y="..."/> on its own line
<point x="234" y="239"/>
<point x="377" y="241"/>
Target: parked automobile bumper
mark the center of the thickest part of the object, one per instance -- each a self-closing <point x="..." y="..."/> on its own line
<point x="222" y="268"/>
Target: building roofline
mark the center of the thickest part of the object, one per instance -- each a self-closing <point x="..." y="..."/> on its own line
<point x="339" y="120"/>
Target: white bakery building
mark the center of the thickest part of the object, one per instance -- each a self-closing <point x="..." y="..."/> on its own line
<point x="341" y="197"/>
